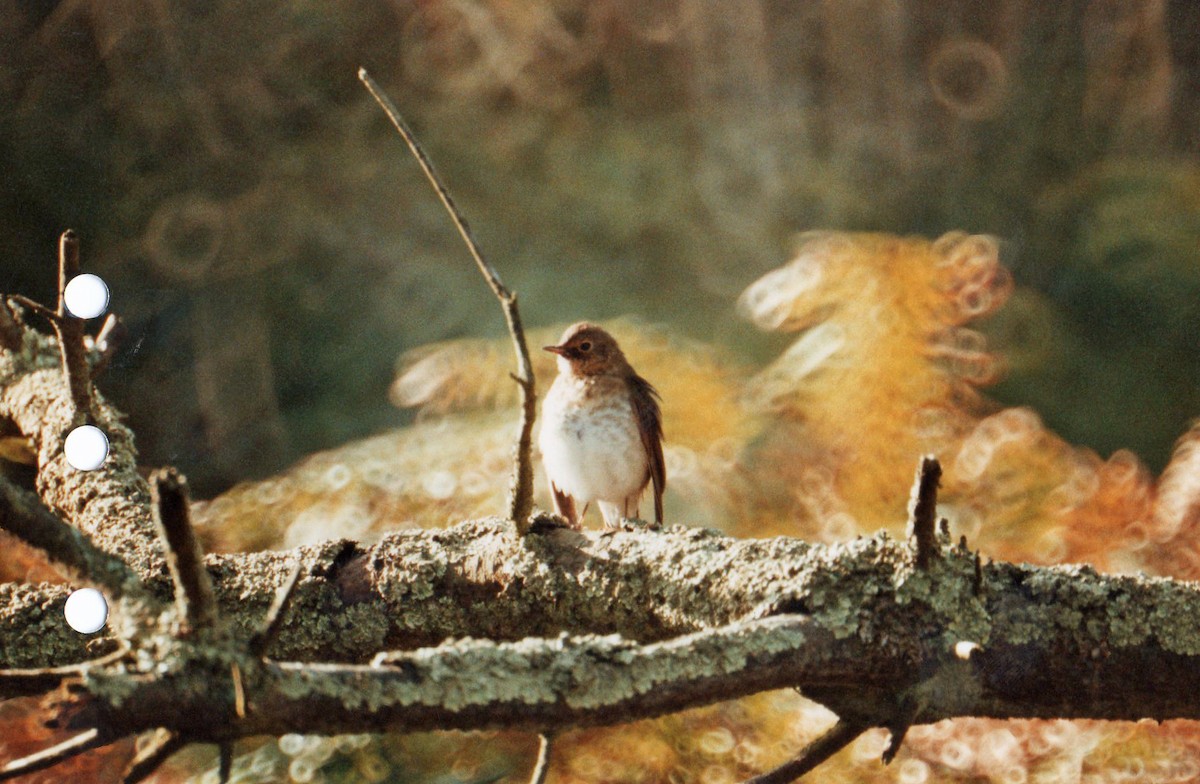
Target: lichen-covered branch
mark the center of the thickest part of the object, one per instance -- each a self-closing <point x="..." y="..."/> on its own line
<point x="110" y="505"/>
<point x="22" y="514"/>
<point x="862" y="630"/>
<point x="487" y="625"/>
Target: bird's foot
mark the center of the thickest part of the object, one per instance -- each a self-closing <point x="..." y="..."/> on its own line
<point x="544" y="523"/>
<point x="631" y="524"/>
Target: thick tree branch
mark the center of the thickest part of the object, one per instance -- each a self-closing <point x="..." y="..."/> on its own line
<point x="858" y="628"/>
<point x="521" y="496"/>
<point x="22" y="514"/>
<point x="110" y="506"/>
<point x="569" y="628"/>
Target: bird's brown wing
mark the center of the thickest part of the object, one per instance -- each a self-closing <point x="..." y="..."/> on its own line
<point x="649" y="418"/>
<point x="564" y="504"/>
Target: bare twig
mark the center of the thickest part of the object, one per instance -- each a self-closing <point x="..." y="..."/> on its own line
<point x="541" y="768"/>
<point x="273" y="621"/>
<point x="23" y="515"/>
<point x="521" y="498"/>
<point x="70" y="329"/>
<point x="185" y="559"/>
<point x="107" y="341"/>
<point x="49" y="757"/>
<point x="161" y="748"/>
<point x="10" y="330"/>
<point x="239" y="690"/>
<point x="898" y="733"/>
<point x="922" y="509"/>
<point x="32" y="306"/>
<point x="39" y="680"/>
<point x="836" y="738"/>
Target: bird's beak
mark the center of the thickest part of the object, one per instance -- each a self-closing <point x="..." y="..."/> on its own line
<point x="560" y="350"/>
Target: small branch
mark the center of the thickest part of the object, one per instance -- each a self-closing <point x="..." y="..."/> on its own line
<point x="273" y="621"/>
<point x="521" y="497"/>
<point x="224" y="762"/>
<point x="148" y="760"/>
<point x="36" y="308"/>
<point x="193" y="588"/>
<point x="836" y="738"/>
<point x="239" y="690"/>
<point x="541" y="768"/>
<point x="10" y="330"/>
<point x="40" y="680"/>
<point x="49" y="757"/>
<point x="22" y="515"/>
<point x="107" y="341"/>
<point x="922" y="510"/>
<point x="898" y="734"/>
<point x="70" y="329"/>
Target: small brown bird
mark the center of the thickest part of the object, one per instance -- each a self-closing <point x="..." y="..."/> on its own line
<point x="601" y="436"/>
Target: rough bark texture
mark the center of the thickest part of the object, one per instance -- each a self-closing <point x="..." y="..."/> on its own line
<point x="476" y="626"/>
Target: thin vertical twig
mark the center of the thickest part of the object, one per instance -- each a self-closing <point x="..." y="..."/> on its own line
<point x="541" y="768"/>
<point x="10" y="330"/>
<point x="521" y="497"/>
<point x="225" y="762"/>
<point x="185" y="559"/>
<point x="922" y="509"/>
<point x="107" y="341"/>
<point x="70" y="329"/>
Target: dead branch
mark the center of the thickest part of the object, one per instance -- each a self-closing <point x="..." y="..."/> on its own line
<point x="49" y="757"/>
<point x="22" y="515"/>
<point x="922" y="510"/>
<point x="10" y="330"/>
<point x="161" y="747"/>
<point x="521" y="496"/>
<point x="479" y="626"/>
<point x="541" y="766"/>
<point x="107" y="341"/>
<point x="185" y="559"/>
<point x="70" y="330"/>
<point x="273" y="620"/>
<point x="833" y="740"/>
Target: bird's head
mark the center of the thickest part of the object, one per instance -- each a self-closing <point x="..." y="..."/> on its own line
<point x="587" y="350"/>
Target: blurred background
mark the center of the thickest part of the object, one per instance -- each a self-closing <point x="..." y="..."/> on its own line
<point x="273" y="248"/>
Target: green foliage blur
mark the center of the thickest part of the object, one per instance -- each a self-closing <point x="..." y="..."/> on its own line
<point x="273" y="248"/>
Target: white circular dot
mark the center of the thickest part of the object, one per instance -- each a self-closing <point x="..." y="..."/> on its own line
<point x="86" y="447"/>
<point x="86" y="296"/>
<point x="86" y="611"/>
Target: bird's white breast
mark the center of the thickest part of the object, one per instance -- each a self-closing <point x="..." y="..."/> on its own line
<point x="590" y="442"/>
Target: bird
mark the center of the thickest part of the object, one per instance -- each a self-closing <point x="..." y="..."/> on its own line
<point x="601" y="434"/>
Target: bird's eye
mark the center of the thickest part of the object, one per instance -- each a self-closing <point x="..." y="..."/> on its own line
<point x="585" y="345"/>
